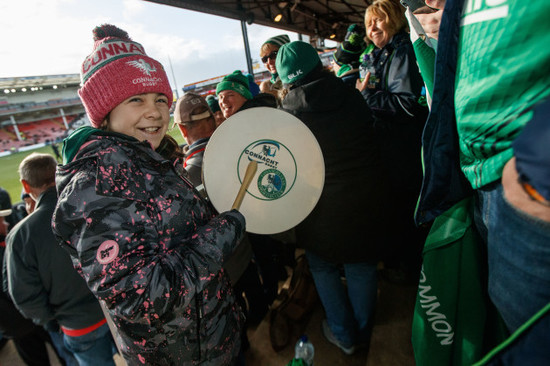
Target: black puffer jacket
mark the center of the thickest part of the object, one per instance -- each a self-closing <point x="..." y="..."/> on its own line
<point x="260" y="100"/>
<point x="347" y="224"/>
<point x="151" y="248"/>
<point x="12" y="323"/>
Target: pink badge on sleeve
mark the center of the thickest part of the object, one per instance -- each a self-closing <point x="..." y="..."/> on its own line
<point x="107" y="251"/>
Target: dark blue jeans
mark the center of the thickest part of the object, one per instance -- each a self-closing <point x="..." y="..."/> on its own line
<point x="94" y="348"/>
<point x="62" y="351"/>
<point x="350" y="312"/>
<point x="518" y="247"/>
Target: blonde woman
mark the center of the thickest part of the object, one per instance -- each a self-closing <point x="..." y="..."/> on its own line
<point x="392" y="87"/>
<point x="268" y="54"/>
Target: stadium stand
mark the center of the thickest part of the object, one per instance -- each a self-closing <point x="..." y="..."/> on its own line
<point x="38" y="110"/>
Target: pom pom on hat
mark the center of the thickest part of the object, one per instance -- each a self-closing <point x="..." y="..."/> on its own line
<point x="254" y="88"/>
<point x="109" y="30"/>
<point x="278" y="40"/>
<point x="349" y="51"/>
<point x="295" y="60"/>
<point x="117" y="69"/>
<point x="237" y="82"/>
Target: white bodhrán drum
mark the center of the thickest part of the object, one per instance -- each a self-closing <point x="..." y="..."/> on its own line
<point x="290" y="168"/>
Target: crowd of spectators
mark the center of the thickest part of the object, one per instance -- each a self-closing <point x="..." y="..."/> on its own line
<point x="409" y="141"/>
<point x="44" y="131"/>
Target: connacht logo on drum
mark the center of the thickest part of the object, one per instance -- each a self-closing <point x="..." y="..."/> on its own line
<point x="276" y="169"/>
<point x="264" y="152"/>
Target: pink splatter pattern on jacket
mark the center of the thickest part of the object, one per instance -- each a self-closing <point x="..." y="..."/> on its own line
<point x="165" y="290"/>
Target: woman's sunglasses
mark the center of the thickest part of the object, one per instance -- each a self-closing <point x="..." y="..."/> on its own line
<point x="272" y="56"/>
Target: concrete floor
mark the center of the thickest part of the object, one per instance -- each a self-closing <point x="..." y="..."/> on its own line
<point x="390" y="345"/>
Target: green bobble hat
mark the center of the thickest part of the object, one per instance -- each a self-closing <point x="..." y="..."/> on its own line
<point x="295" y="60"/>
<point x="213" y="103"/>
<point x="348" y="52"/>
<point x="237" y="82"/>
<point x="278" y="40"/>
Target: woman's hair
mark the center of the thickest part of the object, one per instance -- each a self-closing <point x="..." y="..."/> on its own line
<point x="168" y="148"/>
<point x="390" y="10"/>
<point x="267" y="48"/>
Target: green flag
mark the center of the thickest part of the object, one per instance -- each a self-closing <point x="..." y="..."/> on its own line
<point x="454" y="321"/>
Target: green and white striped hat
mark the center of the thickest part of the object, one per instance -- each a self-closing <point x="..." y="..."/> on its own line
<point x="278" y="40"/>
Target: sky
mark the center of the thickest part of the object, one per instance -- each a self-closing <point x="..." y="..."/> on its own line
<point x="49" y="37"/>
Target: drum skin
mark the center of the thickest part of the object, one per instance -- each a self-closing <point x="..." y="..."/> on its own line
<point x="290" y="175"/>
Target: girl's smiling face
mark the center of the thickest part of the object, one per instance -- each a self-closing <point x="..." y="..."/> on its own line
<point x="143" y="116"/>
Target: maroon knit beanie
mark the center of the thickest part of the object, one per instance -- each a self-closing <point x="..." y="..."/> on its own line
<point x="117" y="69"/>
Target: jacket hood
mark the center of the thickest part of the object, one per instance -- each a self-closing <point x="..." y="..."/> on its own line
<point x="82" y="146"/>
<point x="73" y="143"/>
<point x="260" y="100"/>
<point x="324" y="94"/>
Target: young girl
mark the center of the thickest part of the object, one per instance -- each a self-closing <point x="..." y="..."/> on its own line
<point x="147" y="244"/>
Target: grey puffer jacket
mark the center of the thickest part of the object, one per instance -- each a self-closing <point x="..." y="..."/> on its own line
<point x="152" y="250"/>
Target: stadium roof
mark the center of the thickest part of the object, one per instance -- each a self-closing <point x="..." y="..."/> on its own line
<point x="315" y="18"/>
<point x="38" y="81"/>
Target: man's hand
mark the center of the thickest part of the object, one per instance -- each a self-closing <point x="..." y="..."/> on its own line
<point x="436" y="4"/>
<point x="516" y="195"/>
<point x="430" y="22"/>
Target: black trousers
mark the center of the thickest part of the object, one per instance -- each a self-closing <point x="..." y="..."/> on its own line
<point x="32" y="347"/>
